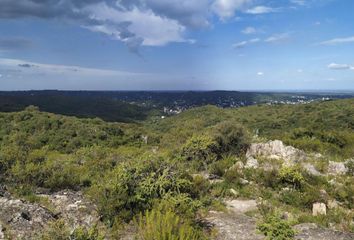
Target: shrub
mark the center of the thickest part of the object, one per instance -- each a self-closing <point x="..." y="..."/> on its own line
<point x="350" y="166"/>
<point x="291" y="176"/>
<point x="220" y="167"/>
<point x="201" y="149"/>
<point x="81" y="233"/>
<point x="131" y="188"/>
<point x="275" y="228"/>
<point x="159" y="225"/>
<point x="231" y="138"/>
<point x="58" y="230"/>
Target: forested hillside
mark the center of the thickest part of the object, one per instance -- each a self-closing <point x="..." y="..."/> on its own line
<point x="164" y="176"/>
<point x="325" y="127"/>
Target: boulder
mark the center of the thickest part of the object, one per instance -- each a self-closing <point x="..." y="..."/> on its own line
<point x="337" y="168"/>
<point x="244" y="181"/>
<point x="276" y="150"/>
<point x="233" y="192"/>
<point x="319" y="209"/>
<point x="252" y="163"/>
<point x="310" y="169"/>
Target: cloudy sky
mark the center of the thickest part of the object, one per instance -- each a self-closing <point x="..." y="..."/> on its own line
<point x="177" y="44"/>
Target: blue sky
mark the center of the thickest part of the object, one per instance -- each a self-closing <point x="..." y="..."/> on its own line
<point x="177" y="44"/>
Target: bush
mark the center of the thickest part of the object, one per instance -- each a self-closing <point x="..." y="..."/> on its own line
<point x="131" y="188"/>
<point x="275" y="228"/>
<point x="231" y="138"/>
<point x="350" y="166"/>
<point x="220" y="167"/>
<point x="159" y="225"/>
<point x="201" y="149"/>
<point x="291" y="176"/>
<point x="58" y="230"/>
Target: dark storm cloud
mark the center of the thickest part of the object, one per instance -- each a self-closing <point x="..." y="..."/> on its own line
<point x="14" y="44"/>
<point x="191" y="13"/>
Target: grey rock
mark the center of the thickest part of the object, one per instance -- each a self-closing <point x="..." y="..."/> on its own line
<point x="241" y="206"/>
<point x="74" y="208"/>
<point x="276" y="150"/>
<point x="244" y="181"/>
<point x="252" y="163"/>
<point x="310" y="231"/>
<point x="310" y="169"/>
<point x="319" y="209"/>
<point x="337" y="168"/>
<point x="232" y="226"/>
<point x="234" y="192"/>
<point x="23" y="220"/>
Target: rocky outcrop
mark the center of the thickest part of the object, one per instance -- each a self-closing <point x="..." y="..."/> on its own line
<point x="276" y="150"/>
<point x="310" y="231"/>
<point x="73" y="208"/>
<point x="22" y="220"/>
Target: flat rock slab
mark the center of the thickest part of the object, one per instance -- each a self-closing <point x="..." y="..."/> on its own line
<point x="312" y="232"/>
<point x="231" y="226"/>
<point x="235" y="225"/>
<point x="241" y="206"/>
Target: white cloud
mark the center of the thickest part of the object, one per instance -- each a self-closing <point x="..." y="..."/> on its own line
<point x="276" y="38"/>
<point x="336" y="66"/>
<point x="227" y="8"/>
<point x="337" y="41"/>
<point x="153" y="30"/>
<point x="245" y="43"/>
<point x="260" y="73"/>
<point x="249" y="30"/>
<point x="261" y="10"/>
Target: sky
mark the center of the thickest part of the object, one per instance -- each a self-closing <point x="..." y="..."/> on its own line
<point x="177" y="44"/>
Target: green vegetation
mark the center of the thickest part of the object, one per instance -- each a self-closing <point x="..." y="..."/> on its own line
<point x="275" y="228"/>
<point x="157" y="225"/>
<point x="58" y="230"/>
<point x="159" y="182"/>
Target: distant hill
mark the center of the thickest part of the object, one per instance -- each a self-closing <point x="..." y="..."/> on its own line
<point x="132" y="106"/>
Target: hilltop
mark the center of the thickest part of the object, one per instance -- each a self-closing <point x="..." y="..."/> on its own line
<point x="275" y="171"/>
